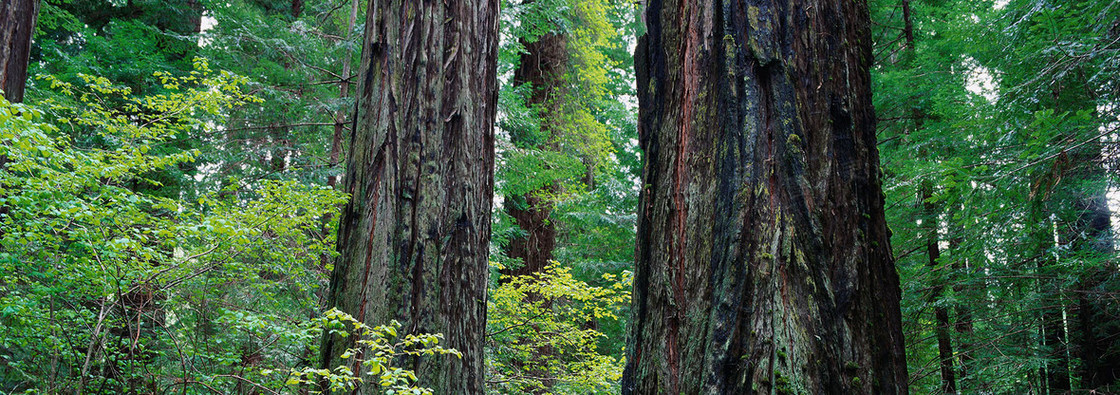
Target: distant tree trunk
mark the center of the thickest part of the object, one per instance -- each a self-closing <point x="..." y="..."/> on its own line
<point x="414" y="237"/>
<point x="543" y="66"/>
<point x="1098" y="327"/>
<point x="17" y="26"/>
<point x="907" y="25"/>
<point x="940" y="312"/>
<point x="297" y="8"/>
<point x="963" y="325"/>
<point x="339" y="126"/>
<point x="194" y="16"/>
<point x="343" y="93"/>
<point x="1057" y="374"/>
<point x="763" y="260"/>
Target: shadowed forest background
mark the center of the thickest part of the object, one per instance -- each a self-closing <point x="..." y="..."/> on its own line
<point x="173" y="173"/>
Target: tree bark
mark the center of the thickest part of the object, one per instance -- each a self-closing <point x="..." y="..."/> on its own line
<point x="907" y="25"/>
<point x="543" y="67"/>
<point x="414" y="237"/>
<point x="17" y="26"/>
<point x="763" y="259"/>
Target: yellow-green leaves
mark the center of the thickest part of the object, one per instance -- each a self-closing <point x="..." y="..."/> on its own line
<point x="378" y="350"/>
<point x="541" y="330"/>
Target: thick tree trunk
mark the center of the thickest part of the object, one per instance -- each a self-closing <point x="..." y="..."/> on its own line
<point x="17" y="25"/>
<point x="414" y="237"/>
<point x="543" y="67"/>
<point x="763" y="257"/>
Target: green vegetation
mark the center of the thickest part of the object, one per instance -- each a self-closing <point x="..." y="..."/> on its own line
<point x="169" y="209"/>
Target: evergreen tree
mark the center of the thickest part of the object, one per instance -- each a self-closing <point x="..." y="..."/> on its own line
<point x="763" y="260"/>
<point x="414" y="238"/>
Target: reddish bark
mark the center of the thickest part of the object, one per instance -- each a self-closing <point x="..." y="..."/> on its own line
<point x="763" y="259"/>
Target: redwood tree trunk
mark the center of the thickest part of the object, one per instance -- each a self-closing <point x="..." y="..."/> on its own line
<point x="543" y="67"/>
<point x="17" y="25"/>
<point x="414" y="237"/>
<point x="763" y="257"/>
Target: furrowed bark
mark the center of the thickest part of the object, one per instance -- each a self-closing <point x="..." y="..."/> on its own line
<point x="414" y="237"/>
<point x="17" y="25"/>
<point x="763" y="260"/>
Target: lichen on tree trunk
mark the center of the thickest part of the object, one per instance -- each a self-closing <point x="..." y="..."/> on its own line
<point x="763" y="260"/>
<point x="414" y="238"/>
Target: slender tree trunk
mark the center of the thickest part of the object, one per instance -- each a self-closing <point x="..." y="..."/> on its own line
<point x="414" y="237"/>
<point x="1053" y="376"/>
<point x="963" y="325"/>
<point x="17" y="25"/>
<point x="343" y="93"/>
<point x="940" y="312"/>
<point x="907" y="25"/>
<point x="1057" y="372"/>
<point x="1097" y="330"/>
<point x="763" y="259"/>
